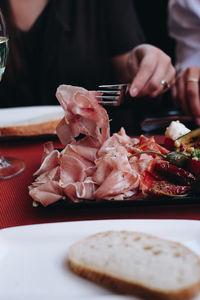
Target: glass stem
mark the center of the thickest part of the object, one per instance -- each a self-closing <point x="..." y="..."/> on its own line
<point x="3" y="162"/>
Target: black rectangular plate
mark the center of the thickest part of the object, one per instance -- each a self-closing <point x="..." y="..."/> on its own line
<point x="189" y="200"/>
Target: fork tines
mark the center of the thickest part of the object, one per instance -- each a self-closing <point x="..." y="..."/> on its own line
<point x="111" y="94"/>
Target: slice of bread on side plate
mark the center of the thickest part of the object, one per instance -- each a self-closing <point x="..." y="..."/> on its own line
<point x="30" y="120"/>
<point x="137" y="264"/>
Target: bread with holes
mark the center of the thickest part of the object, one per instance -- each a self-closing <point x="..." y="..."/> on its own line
<point x="137" y="264"/>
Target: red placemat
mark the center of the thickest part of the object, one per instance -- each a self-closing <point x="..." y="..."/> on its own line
<point x="16" y="205"/>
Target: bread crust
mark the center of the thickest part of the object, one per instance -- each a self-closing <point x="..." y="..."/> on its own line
<point x="48" y="127"/>
<point x="130" y="288"/>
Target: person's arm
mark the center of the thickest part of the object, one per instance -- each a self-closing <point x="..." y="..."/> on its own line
<point x="142" y="65"/>
<point x="184" y="27"/>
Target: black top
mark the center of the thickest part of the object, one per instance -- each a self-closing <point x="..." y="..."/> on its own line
<point x="71" y="42"/>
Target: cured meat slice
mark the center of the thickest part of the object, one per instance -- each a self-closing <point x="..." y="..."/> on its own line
<point x="47" y="193"/>
<point x="87" y="164"/>
<point x="117" y="182"/>
<point x="71" y="169"/>
<point x="114" y="174"/>
<point x="117" y="139"/>
<point x="80" y="190"/>
<point x="141" y="163"/>
<point x="49" y="163"/>
<point x="83" y="115"/>
<point x="53" y="175"/>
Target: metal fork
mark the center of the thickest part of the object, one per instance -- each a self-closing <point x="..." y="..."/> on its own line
<point x="111" y="94"/>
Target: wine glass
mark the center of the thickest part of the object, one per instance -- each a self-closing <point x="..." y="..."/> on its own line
<point x="9" y="166"/>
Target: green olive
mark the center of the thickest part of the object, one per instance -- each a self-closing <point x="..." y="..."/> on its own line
<point x="177" y="159"/>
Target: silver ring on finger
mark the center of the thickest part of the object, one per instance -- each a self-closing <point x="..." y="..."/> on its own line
<point x="192" y="79"/>
<point x="165" y="84"/>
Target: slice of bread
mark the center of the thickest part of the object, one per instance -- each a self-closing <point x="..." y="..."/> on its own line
<point x="30" y="120"/>
<point x="137" y="264"/>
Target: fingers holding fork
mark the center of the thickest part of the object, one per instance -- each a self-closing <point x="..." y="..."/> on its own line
<point x="151" y="70"/>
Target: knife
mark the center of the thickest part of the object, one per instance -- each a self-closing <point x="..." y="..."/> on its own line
<point x="159" y="123"/>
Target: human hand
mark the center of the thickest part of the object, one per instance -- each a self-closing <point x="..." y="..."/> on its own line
<point x="149" y="67"/>
<point x="186" y="92"/>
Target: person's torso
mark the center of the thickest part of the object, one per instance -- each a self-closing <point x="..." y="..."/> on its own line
<point x="66" y="44"/>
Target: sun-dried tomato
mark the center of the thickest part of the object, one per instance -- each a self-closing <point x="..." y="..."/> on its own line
<point x="173" y="174"/>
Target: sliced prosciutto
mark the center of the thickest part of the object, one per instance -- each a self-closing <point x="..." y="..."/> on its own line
<point x="83" y="115"/>
<point x="97" y="166"/>
<point x="114" y="174"/>
<point x="80" y="190"/>
<point x="47" y="193"/>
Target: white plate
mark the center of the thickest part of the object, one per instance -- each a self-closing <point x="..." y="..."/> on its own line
<point x="33" y="258"/>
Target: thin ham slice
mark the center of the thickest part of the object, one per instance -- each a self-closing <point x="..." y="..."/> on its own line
<point x="71" y="151"/>
<point x="80" y="190"/>
<point x="83" y="115"/>
<point x="117" y="182"/>
<point x="141" y="163"/>
<point x="47" y="193"/>
<point x="114" y="174"/>
<point x="117" y="139"/>
<point x="49" y="160"/>
<point x="72" y="170"/>
<point x="53" y="175"/>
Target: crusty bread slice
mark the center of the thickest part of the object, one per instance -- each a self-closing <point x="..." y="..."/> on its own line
<point x="138" y="264"/>
<point x="30" y="120"/>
